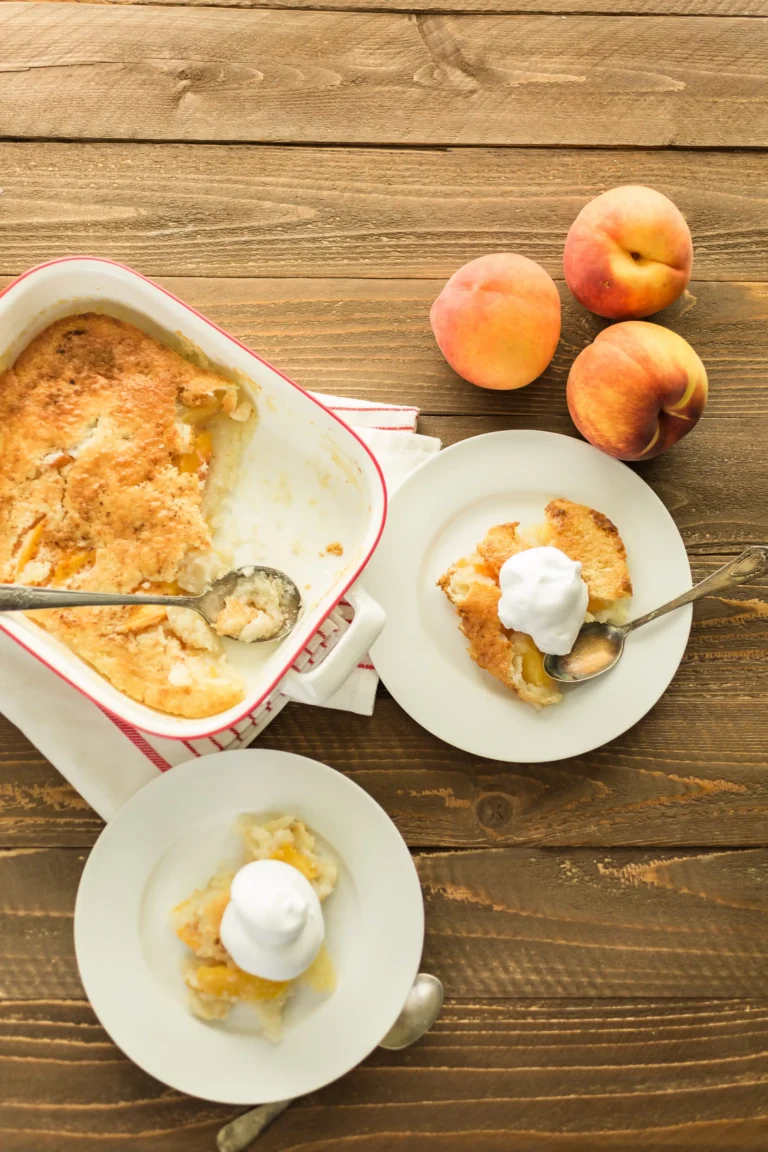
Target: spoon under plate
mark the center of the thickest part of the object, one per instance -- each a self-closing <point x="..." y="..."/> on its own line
<point x="23" y="598"/>
<point x="598" y="647"/>
<point x="422" y="1008"/>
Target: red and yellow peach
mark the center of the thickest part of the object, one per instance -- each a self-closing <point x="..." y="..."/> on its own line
<point x="636" y="390"/>
<point x="628" y="253"/>
<point x="497" y="320"/>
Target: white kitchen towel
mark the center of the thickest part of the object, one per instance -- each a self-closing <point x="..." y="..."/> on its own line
<point x="107" y="760"/>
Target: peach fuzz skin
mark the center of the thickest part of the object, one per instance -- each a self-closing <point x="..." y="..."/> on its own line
<point x="628" y="253"/>
<point x="637" y="390"/>
<point x="497" y="321"/>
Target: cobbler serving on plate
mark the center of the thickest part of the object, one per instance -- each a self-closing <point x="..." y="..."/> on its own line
<point x="474" y="586"/>
<point x="116" y="453"/>
<point x="214" y="980"/>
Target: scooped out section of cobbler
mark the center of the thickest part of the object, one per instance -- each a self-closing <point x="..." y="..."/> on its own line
<point x="111" y="443"/>
<point x="214" y="981"/>
<point x="260" y="609"/>
<point x="472" y="584"/>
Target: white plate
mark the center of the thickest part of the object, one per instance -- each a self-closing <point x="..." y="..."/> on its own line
<point x="438" y="515"/>
<point x="166" y="841"/>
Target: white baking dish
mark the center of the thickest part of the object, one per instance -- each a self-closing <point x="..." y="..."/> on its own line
<point x="305" y="481"/>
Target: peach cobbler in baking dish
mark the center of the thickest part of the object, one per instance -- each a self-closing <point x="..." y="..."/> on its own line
<point x="583" y="539"/>
<point x="110" y="446"/>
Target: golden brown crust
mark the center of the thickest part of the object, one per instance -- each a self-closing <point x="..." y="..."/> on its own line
<point x="488" y="642"/>
<point x="499" y="544"/>
<point x="92" y="497"/>
<point x="591" y="538"/>
<point x="471" y="584"/>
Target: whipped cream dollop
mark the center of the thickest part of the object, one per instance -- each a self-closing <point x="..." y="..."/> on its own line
<point x="543" y="595"/>
<point x="273" y="925"/>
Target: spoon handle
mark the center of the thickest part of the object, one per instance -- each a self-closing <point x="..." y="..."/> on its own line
<point x="746" y="567"/>
<point x="22" y="598"/>
<point x="239" y="1133"/>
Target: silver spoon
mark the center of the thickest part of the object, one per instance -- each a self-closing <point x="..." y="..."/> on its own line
<point x="22" y="598"/>
<point x="598" y="647"/>
<point x="421" y="1009"/>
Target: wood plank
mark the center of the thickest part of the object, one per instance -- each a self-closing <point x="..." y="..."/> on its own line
<point x="492" y="1076"/>
<point x="511" y="7"/>
<point x="270" y="211"/>
<point x="37" y="806"/>
<point x="371" y="338"/>
<point x="652" y="786"/>
<point x="71" y="71"/>
<point x="659" y="784"/>
<point x="691" y="772"/>
<point x="500" y="922"/>
<point x="655" y="785"/>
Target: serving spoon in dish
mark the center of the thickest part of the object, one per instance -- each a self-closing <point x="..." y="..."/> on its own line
<point x="209" y="604"/>
<point x="598" y="646"/>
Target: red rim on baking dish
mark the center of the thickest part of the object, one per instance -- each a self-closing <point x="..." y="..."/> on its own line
<point x="351" y="492"/>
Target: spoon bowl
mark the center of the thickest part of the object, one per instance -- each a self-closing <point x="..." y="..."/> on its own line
<point x="240" y="584"/>
<point x="598" y="647"/>
<point x="421" y="1009"/>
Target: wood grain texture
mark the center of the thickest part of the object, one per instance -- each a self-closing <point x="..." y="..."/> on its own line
<point x="270" y="211"/>
<point x="500" y="922"/>
<point x="74" y="71"/>
<point x="584" y="878"/>
<point x="693" y="771"/>
<point x="558" y="7"/>
<point x="371" y="338"/>
<point x="37" y="805"/>
<point x="492" y="1076"/>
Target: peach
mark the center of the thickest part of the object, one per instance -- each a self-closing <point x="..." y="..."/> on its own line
<point x="628" y="253"/>
<point x="497" y="320"/>
<point x="637" y="390"/>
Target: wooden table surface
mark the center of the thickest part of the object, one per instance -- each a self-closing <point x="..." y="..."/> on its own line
<point x="308" y="173"/>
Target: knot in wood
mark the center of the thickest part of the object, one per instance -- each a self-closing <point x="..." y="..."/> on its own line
<point x="494" y="810"/>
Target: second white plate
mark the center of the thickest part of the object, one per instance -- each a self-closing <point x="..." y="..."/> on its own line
<point x="165" y="842"/>
<point x="439" y="514"/>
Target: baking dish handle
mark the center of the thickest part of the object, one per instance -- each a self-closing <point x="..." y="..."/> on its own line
<point x="317" y="686"/>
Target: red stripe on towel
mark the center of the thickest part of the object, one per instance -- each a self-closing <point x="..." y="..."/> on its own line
<point x="137" y="740"/>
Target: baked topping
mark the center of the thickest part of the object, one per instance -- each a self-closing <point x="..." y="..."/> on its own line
<point x="108" y="439"/>
<point x="257" y="932"/>
<point x="586" y="537"/>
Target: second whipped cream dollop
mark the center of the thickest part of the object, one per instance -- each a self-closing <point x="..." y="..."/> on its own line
<point x="273" y="925"/>
<point x="543" y="595"/>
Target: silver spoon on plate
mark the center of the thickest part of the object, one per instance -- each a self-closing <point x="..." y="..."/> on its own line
<point x="421" y="1009"/>
<point x="598" y="647"/>
<point x="241" y="583"/>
